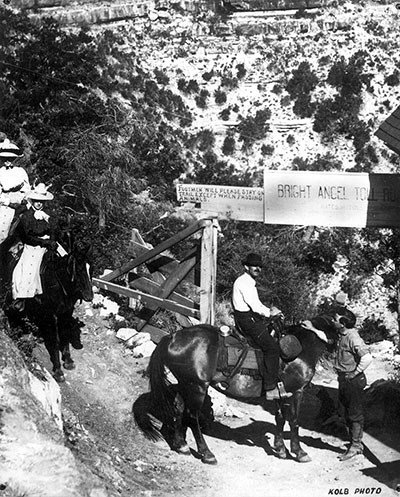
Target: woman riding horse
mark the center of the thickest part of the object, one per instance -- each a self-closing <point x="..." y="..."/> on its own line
<point x="48" y="281"/>
<point x="37" y="236"/>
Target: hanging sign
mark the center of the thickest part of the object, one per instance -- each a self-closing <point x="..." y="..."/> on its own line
<point x="230" y="202"/>
<point x="331" y="199"/>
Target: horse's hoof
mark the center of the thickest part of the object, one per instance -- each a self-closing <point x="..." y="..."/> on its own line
<point x="184" y="450"/>
<point x="59" y="376"/>
<point x="281" y="454"/>
<point x="69" y="365"/>
<point x="210" y="459"/>
<point x="303" y="458"/>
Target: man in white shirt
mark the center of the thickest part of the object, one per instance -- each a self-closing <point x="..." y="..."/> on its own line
<point x="249" y="313"/>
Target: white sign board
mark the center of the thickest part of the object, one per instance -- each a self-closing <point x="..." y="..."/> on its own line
<point x="331" y="198"/>
<point x="231" y="202"/>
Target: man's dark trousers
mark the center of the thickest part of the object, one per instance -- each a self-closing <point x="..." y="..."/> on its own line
<point x="253" y="327"/>
<point x="351" y="397"/>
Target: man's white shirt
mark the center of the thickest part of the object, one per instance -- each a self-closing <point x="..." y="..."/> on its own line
<point x="245" y="296"/>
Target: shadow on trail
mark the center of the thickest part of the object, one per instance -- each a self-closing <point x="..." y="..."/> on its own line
<point x="386" y="474"/>
<point x="261" y="434"/>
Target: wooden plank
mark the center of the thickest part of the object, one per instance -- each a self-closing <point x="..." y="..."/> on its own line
<point x="148" y="286"/>
<point x="229" y="202"/>
<point x="208" y="268"/>
<point x="169" y="285"/>
<point x="163" y="303"/>
<point x="157" y="267"/>
<point x="163" y="263"/>
<point x="341" y="199"/>
<point x="190" y="230"/>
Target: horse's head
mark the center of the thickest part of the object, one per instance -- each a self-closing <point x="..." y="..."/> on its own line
<point x="80" y="270"/>
<point x="334" y="320"/>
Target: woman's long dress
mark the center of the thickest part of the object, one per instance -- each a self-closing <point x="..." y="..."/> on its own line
<point x="34" y="232"/>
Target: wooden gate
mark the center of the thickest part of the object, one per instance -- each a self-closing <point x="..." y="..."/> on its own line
<point x="157" y="287"/>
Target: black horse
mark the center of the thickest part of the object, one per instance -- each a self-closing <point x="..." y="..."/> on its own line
<point x="191" y="355"/>
<point x="65" y="280"/>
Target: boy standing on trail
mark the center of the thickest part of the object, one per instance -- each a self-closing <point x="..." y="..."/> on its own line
<point x="352" y="358"/>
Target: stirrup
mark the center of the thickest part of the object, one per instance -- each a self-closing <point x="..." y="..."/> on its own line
<point x="282" y="390"/>
<point x="278" y="393"/>
<point x="222" y="385"/>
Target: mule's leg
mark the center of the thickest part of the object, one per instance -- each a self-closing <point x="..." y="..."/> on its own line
<point x="175" y="430"/>
<point x="49" y="331"/>
<point x="294" y="410"/>
<point x="181" y="427"/>
<point x="194" y="395"/>
<point x="279" y="444"/>
<point x="63" y="333"/>
<point x="68" y="362"/>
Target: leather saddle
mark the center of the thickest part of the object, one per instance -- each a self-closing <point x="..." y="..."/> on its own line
<point x="238" y="354"/>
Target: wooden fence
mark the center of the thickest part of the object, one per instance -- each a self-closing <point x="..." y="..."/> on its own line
<point x="156" y="286"/>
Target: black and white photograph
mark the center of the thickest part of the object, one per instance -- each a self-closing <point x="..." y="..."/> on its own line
<point x="199" y="248"/>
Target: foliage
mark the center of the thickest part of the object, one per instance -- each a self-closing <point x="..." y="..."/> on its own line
<point x="96" y="126"/>
<point x="325" y="162"/>
<point x="283" y="283"/>
<point x="290" y="139"/>
<point x="190" y="86"/>
<point x="216" y="172"/>
<point x="204" y="140"/>
<point x="394" y="375"/>
<point x="373" y="330"/>
<point x="393" y="79"/>
<point x="228" y="147"/>
<point x="229" y="81"/>
<point x="267" y="149"/>
<point x="161" y="77"/>
<point x="201" y="99"/>
<point x="220" y="96"/>
<point x="225" y="113"/>
<point x="207" y="76"/>
<point x="340" y="114"/>
<point x="300" y="87"/>
<point x="303" y="106"/>
<point x="241" y="71"/>
<point x="112" y="139"/>
<point x="254" y="128"/>
<point x="303" y="81"/>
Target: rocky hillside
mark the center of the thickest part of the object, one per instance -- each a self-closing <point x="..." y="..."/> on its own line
<point x="243" y="62"/>
<point x="229" y="67"/>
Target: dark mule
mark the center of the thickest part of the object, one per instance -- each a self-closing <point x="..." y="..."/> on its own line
<point x="65" y="280"/>
<point x="191" y="355"/>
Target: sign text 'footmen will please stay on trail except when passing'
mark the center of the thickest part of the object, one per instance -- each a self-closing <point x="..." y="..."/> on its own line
<point x="305" y="198"/>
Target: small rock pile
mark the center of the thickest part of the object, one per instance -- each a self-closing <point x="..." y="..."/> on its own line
<point x="140" y="343"/>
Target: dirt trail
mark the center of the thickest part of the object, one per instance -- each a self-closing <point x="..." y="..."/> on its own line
<point x="97" y="401"/>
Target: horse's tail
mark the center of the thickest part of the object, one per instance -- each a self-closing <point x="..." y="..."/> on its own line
<point x="149" y="424"/>
<point x="153" y="409"/>
<point x="163" y="396"/>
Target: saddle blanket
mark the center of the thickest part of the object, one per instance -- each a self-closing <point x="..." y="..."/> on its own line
<point x="289" y="345"/>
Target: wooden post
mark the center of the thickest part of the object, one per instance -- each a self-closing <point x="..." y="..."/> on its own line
<point x="208" y="272"/>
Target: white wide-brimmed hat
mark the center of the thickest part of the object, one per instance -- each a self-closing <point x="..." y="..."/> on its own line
<point x="40" y="192"/>
<point x="8" y="150"/>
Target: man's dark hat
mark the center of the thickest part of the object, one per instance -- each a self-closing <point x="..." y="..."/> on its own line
<point x="253" y="260"/>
